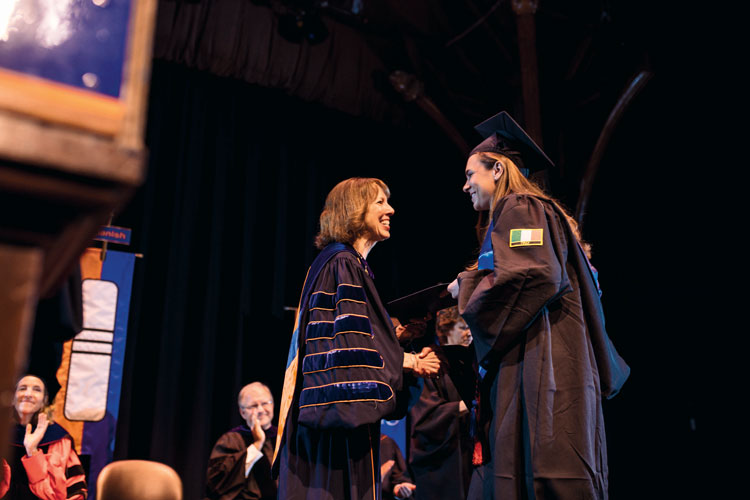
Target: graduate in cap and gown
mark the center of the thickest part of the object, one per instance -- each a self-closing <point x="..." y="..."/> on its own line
<point x="532" y="302"/>
<point x="345" y="365"/>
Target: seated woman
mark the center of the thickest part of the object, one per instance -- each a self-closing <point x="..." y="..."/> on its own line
<point x="345" y="363"/>
<point x="42" y="462"/>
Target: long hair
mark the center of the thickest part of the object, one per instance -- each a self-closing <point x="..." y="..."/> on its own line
<point x="512" y="181"/>
<point x="343" y="217"/>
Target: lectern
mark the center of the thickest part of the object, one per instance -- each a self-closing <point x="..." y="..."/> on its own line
<point x="74" y="80"/>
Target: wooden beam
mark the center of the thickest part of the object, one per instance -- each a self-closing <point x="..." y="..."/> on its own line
<point x="526" y="24"/>
<point x="634" y="87"/>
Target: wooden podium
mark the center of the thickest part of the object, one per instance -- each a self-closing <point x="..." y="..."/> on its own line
<point x="72" y="118"/>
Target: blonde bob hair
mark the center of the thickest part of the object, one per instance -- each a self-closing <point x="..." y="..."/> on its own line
<point x="512" y="181"/>
<point x="343" y="217"/>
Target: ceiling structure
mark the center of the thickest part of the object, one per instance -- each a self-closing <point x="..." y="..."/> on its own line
<point x="567" y="71"/>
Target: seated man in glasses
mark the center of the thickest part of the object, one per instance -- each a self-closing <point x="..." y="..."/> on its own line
<point x="240" y="462"/>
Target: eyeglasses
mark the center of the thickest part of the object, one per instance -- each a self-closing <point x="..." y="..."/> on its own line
<point x="256" y="406"/>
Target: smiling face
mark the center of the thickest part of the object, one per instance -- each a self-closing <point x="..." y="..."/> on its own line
<point x="378" y="218"/>
<point x="30" y="396"/>
<point x="256" y="402"/>
<point x="480" y="182"/>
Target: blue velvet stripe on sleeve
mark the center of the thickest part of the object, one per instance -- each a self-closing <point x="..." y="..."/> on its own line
<point x="352" y="323"/>
<point x="343" y="392"/>
<point x="347" y="323"/>
<point x="329" y="300"/>
<point x="322" y="301"/>
<point x="350" y="292"/>
<point x="319" y="330"/>
<point x="342" y="358"/>
<point x="349" y="302"/>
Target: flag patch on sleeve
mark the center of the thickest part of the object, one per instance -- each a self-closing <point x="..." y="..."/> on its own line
<point x="525" y="237"/>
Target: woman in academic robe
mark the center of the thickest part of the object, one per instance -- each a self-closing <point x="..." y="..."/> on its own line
<point x="532" y="303"/>
<point x="42" y="462"/>
<point x="345" y="363"/>
<point x="440" y="445"/>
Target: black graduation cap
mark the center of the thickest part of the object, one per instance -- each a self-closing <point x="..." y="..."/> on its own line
<point x="503" y="135"/>
<point x="419" y="304"/>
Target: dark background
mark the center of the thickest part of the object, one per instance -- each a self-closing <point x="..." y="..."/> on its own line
<point x="248" y="132"/>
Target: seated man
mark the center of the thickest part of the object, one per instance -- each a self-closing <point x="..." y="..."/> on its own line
<point x="240" y="462"/>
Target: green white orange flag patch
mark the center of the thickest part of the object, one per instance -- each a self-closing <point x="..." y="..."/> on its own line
<point x="525" y="237"/>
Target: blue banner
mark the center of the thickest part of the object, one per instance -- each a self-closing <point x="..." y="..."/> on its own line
<point x="90" y="374"/>
<point x="396" y="430"/>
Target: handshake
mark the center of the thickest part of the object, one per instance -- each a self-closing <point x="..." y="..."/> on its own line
<point x="426" y="364"/>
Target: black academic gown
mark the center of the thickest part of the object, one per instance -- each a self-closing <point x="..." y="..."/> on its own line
<point x="538" y="330"/>
<point x="396" y="472"/>
<point x="225" y="477"/>
<point x="440" y="445"/>
<point x="349" y="371"/>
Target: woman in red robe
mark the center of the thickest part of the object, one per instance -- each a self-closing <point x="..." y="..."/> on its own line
<point x="42" y="463"/>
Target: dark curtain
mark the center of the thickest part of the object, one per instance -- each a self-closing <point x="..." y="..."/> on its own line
<point x="225" y="221"/>
<point x="240" y="39"/>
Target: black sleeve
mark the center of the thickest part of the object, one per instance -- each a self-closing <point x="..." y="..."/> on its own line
<point x="499" y="305"/>
<point x="398" y="473"/>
